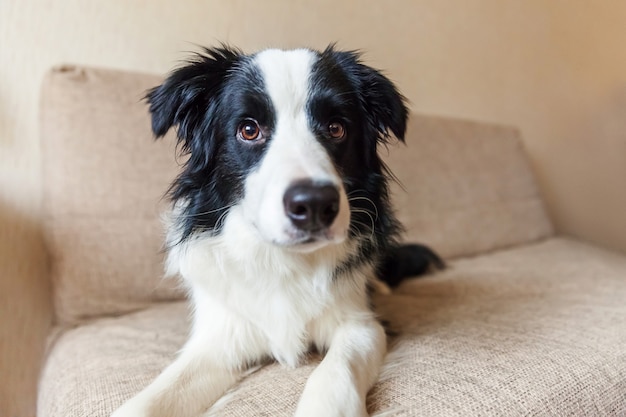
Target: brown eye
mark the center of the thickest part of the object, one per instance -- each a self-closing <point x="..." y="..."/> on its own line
<point x="336" y="130"/>
<point x="249" y="130"/>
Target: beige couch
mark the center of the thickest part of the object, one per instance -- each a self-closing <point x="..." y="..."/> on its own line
<point x="522" y="323"/>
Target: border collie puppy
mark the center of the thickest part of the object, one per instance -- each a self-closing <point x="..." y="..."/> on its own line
<point x="280" y="222"/>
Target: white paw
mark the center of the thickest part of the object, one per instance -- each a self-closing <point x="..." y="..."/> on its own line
<point x="327" y="404"/>
<point x="135" y="407"/>
<point x="318" y="410"/>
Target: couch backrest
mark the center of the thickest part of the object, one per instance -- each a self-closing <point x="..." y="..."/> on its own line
<point x="104" y="181"/>
<point x="468" y="190"/>
<point x="465" y="188"/>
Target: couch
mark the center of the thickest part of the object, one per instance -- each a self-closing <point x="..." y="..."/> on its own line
<point x="523" y="322"/>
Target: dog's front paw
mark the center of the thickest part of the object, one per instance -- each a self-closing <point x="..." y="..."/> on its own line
<point x="137" y="406"/>
<point x="317" y="401"/>
<point x="322" y="408"/>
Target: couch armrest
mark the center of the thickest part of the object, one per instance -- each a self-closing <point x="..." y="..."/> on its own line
<point x="25" y="311"/>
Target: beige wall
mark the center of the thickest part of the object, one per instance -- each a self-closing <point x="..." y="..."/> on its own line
<point x="556" y="69"/>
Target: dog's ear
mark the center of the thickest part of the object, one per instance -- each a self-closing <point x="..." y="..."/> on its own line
<point x="383" y="104"/>
<point x="185" y="97"/>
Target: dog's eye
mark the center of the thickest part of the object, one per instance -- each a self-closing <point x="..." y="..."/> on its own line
<point x="336" y="130"/>
<point x="249" y="130"/>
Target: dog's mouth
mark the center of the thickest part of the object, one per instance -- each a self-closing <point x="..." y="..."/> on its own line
<point x="307" y="241"/>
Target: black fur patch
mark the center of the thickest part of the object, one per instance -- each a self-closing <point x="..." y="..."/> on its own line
<point x="405" y="261"/>
<point x="372" y="109"/>
<point x="206" y="100"/>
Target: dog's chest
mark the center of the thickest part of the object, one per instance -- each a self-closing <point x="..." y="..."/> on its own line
<point x="287" y="325"/>
<point x="282" y="308"/>
<point x="286" y="314"/>
<point x="288" y="320"/>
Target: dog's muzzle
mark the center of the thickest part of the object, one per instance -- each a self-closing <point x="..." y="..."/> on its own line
<point x="311" y="206"/>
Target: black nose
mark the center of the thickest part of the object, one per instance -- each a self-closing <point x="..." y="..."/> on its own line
<point x="311" y="206"/>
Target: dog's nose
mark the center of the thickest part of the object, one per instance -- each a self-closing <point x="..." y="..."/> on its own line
<point x="311" y="206"/>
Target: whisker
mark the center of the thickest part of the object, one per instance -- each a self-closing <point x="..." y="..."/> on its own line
<point x="360" y="232"/>
<point x="370" y="216"/>
<point x="366" y="226"/>
<point x="368" y="212"/>
<point x="205" y="212"/>
<point x="368" y="200"/>
<point x="375" y="212"/>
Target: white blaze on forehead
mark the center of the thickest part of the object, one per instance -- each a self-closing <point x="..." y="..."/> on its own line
<point x="293" y="146"/>
<point x="286" y="75"/>
<point x="293" y="152"/>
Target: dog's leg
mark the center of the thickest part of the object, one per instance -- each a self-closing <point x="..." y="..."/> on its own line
<point x="186" y="388"/>
<point x="339" y="385"/>
<point x="211" y="361"/>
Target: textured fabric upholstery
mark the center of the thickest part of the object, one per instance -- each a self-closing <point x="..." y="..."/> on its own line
<point x="537" y="330"/>
<point x="104" y="179"/>
<point x="465" y="188"/>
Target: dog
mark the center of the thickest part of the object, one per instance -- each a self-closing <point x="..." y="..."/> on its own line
<point x="280" y="223"/>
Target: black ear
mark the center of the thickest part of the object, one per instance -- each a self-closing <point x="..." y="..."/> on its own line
<point x="184" y="98"/>
<point x="383" y="103"/>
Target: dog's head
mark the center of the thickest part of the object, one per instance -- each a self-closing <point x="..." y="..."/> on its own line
<point x="287" y="138"/>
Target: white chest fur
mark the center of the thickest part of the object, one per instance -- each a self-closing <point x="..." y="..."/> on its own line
<point x="277" y="302"/>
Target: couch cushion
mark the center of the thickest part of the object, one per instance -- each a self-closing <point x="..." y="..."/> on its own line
<point x="104" y="179"/>
<point x="538" y="330"/>
<point x="465" y="187"/>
